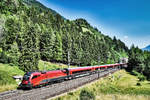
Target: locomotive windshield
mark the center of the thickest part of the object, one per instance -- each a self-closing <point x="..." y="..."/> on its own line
<point x="27" y="76"/>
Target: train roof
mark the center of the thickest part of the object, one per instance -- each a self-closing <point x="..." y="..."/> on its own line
<point x="75" y="68"/>
<point x="94" y="66"/>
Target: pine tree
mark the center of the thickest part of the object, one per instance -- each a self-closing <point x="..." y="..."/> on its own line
<point x="58" y="48"/>
<point x="30" y="48"/>
<point x="47" y="42"/>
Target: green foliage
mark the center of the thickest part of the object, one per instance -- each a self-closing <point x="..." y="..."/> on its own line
<point x="1" y="50"/>
<point x="86" y="95"/>
<point x="7" y="72"/>
<point x="10" y="53"/>
<point x="33" y="32"/>
<point x="5" y="78"/>
<point x="140" y="76"/>
<point x="58" y="48"/>
<point x="139" y="62"/>
<point x="47" y="42"/>
<point x="11" y="69"/>
<point x="30" y="49"/>
<point x="135" y="73"/>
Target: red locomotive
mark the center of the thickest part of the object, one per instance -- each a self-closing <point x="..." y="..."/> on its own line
<point x="35" y="79"/>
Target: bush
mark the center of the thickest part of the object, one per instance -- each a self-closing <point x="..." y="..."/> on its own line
<point x="135" y="73"/>
<point x="70" y="93"/>
<point x="141" y="77"/>
<point x="138" y="84"/>
<point x="86" y="95"/>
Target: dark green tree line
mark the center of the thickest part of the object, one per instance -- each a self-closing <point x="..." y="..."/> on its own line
<point x="139" y="61"/>
<point x="33" y="32"/>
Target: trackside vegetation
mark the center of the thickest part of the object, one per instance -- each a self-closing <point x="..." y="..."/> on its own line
<point x="118" y="86"/>
<point x="139" y="61"/>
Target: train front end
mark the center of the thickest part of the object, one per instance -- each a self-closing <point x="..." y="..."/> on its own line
<point x="26" y="82"/>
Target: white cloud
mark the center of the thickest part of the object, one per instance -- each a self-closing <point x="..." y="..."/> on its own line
<point x="125" y="37"/>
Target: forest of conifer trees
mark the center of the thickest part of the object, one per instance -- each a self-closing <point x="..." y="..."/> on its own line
<point x="31" y="32"/>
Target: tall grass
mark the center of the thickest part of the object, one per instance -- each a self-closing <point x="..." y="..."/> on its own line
<point x="7" y="87"/>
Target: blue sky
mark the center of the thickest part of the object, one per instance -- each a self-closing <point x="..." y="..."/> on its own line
<point x="128" y="20"/>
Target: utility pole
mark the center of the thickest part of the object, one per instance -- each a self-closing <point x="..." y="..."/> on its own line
<point x="68" y="59"/>
<point x="44" y="66"/>
<point x="99" y="59"/>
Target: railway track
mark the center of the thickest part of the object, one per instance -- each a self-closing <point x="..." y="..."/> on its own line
<point x="53" y="89"/>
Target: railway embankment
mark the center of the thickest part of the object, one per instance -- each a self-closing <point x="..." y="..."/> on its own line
<point x="118" y="86"/>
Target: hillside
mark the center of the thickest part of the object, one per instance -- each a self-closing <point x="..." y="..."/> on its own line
<point x="147" y="48"/>
<point x="31" y="32"/>
<point x="119" y="86"/>
<point x="6" y="77"/>
<point x="39" y="5"/>
<point x="32" y="36"/>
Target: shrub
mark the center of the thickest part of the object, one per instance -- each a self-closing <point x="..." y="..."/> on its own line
<point x="138" y="84"/>
<point x="70" y="93"/>
<point x="141" y="77"/>
<point x="135" y="73"/>
<point x="86" y="95"/>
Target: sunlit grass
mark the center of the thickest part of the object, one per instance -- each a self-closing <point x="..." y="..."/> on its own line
<point x="119" y="86"/>
<point x="6" y="73"/>
<point x="43" y="65"/>
<point x="7" y="87"/>
<point x="12" y="70"/>
<point x="86" y="30"/>
<point x="121" y="97"/>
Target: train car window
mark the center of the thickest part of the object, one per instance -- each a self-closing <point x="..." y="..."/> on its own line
<point x="65" y="70"/>
<point x="35" y="76"/>
<point x="81" y="71"/>
<point x="43" y="72"/>
<point x="97" y="68"/>
<point x="102" y="68"/>
<point x="109" y="67"/>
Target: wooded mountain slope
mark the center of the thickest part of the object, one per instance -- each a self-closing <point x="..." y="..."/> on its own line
<point x="30" y="32"/>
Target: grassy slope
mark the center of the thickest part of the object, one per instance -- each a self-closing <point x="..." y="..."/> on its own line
<point x="7" y="72"/>
<point x="12" y="70"/>
<point x="51" y="66"/>
<point x="6" y="80"/>
<point x="119" y="86"/>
